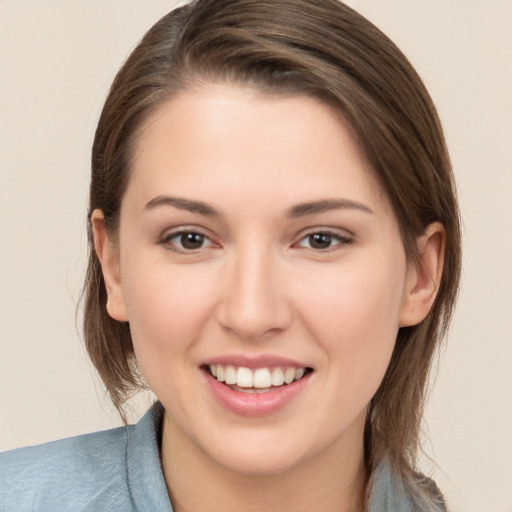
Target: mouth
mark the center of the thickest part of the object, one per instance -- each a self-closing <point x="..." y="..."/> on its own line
<point x="256" y="380"/>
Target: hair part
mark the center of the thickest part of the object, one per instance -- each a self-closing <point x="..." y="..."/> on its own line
<point x="318" y="48"/>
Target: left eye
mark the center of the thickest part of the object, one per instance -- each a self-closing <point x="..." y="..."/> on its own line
<point x="187" y="241"/>
<point x="322" y="240"/>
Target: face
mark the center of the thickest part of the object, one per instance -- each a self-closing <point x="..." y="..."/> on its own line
<point x="255" y="245"/>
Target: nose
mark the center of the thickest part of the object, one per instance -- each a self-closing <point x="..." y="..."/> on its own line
<point x="254" y="305"/>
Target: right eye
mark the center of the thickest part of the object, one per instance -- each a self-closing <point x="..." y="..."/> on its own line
<point x="186" y="241"/>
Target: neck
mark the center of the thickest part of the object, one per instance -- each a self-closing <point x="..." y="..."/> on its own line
<point x="331" y="482"/>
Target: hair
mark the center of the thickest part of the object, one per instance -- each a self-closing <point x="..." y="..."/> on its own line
<point x="317" y="48"/>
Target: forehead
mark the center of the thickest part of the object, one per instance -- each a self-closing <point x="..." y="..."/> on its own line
<point x="224" y="141"/>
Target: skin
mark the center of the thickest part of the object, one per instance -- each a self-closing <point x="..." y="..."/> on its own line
<point x="257" y="286"/>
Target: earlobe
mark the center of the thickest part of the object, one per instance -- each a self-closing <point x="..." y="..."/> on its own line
<point x="109" y="261"/>
<point x="424" y="276"/>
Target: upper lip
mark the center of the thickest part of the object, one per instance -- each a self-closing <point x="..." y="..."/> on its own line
<point x="254" y="362"/>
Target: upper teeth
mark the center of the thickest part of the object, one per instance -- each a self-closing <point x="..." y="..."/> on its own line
<point x="258" y="378"/>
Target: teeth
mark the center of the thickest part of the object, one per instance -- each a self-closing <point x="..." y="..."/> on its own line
<point x="244" y="378"/>
<point x="262" y="378"/>
<point x="289" y="375"/>
<point x="230" y="375"/>
<point x="277" y="377"/>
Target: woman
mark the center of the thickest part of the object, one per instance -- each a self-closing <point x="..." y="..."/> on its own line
<point x="275" y="251"/>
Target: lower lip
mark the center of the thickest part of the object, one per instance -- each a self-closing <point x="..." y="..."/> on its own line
<point x="255" y="404"/>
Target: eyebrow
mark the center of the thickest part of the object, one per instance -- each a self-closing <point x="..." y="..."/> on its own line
<point x="183" y="204"/>
<point x="325" y="205"/>
<point x="299" y="210"/>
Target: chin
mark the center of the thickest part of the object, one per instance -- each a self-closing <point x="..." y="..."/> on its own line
<point x="258" y="462"/>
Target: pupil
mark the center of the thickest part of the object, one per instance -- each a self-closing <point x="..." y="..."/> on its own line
<point x="192" y="240"/>
<point x="320" y="240"/>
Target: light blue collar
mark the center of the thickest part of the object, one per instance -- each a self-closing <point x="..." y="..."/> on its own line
<point x="145" y="476"/>
<point x="389" y="494"/>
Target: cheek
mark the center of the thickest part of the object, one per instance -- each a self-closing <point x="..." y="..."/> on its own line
<point x="354" y="315"/>
<point x="167" y="310"/>
<point x="356" y="324"/>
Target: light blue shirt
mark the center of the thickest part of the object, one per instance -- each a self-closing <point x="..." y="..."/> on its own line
<point x="116" y="470"/>
<point x="119" y="470"/>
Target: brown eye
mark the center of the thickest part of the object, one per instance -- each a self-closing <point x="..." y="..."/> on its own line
<point x="191" y="241"/>
<point x="320" y="240"/>
<point x="185" y="241"/>
<point x="323" y="240"/>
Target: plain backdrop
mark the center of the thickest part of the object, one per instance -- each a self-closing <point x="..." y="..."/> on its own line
<point x="57" y="59"/>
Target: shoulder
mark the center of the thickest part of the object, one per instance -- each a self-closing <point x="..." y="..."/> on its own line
<point x="72" y="472"/>
<point x="389" y="491"/>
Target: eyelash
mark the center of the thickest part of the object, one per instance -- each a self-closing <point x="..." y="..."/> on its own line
<point x="333" y="236"/>
<point x="167" y="240"/>
<point x="341" y="239"/>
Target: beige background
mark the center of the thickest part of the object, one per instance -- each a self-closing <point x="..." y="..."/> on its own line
<point x="57" y="59"/>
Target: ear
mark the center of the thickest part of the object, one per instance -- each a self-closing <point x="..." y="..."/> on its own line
<point x="109" y="261"/>
<point x="424" y="276"/>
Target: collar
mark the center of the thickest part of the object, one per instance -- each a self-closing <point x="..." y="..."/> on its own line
<point x="389" y="493"/>
<point x="145" y="477"/>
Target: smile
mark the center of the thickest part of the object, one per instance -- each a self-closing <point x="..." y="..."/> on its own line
<point x="258" y="380"/>
<point x="256" y="386"/>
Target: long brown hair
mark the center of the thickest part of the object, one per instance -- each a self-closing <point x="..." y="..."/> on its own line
<point x="319" y="48"/>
